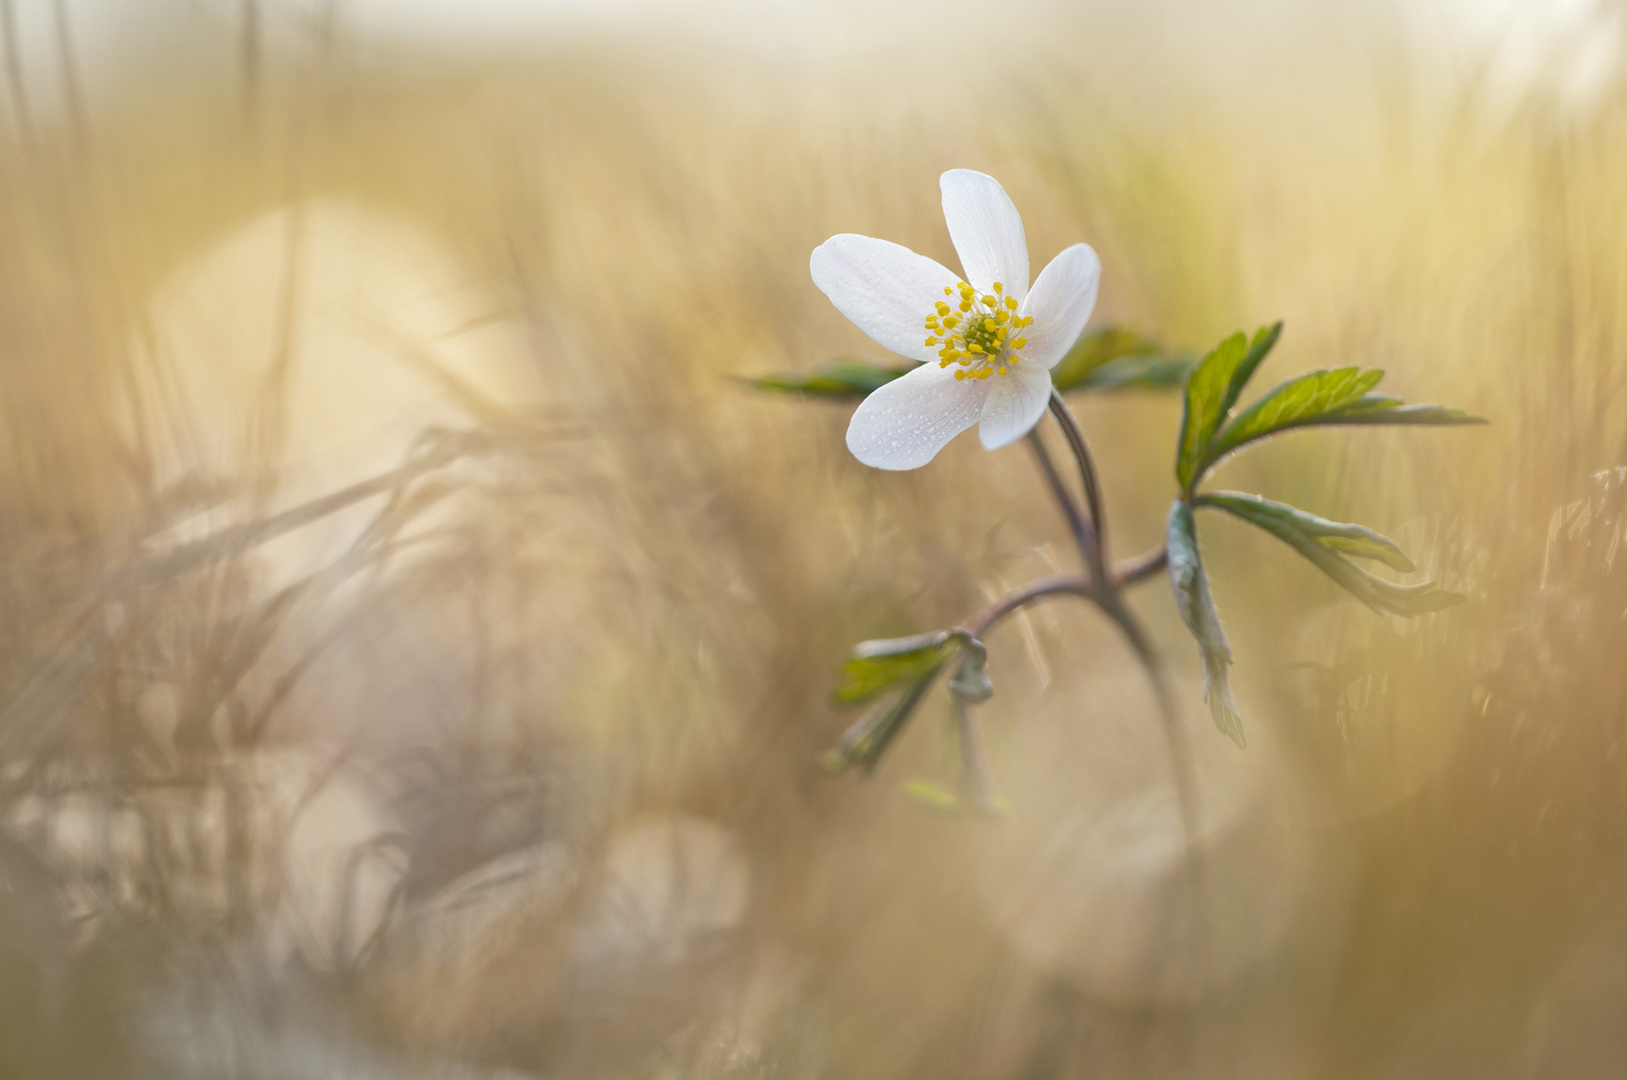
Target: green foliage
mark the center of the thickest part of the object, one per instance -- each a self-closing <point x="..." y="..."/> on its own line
<point x="1206" y="394"/>
<point x="897" y="673"/>
<point x="1341" y="396"/>
<point x="1325" y="544"/>
<point x="1197" y="608"/>
<point x="907" y="666"/>
<point x="876" y="666"/>
<point x="1301" y="400"/>
<point x="1384" y="409"/>
<point x="1357" y="540"/>
<point x="849" y="380"/>
<point x="1082" y="366"/>
<point x="1210" y="431"/>
<point x="865" y="742"/>
<point x="1265" y="339"/>
<point x="1146" y="371"/>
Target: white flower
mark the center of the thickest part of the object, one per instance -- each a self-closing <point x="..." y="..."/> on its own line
<point x="986" y="344"/>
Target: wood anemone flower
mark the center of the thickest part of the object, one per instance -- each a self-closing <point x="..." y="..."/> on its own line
<point x="986" y="343"/>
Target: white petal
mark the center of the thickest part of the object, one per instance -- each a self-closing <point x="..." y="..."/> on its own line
<point x="1060" y="304"/>
<point x="1015" y="404"/>
<point x="987" y="231"/>
<point x="904" y="424"/>
<point x="885" y="288"/>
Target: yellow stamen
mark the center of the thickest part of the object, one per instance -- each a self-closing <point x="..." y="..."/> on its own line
<point x="979" y="337"/>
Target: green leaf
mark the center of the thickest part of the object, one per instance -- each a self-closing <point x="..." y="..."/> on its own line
<point x="1357" y="540"/>
<point x="1206" y="392"/>
<point x="1304" y="399"/>
<point x="877" y="665"/>
<point x="1095" y="349"/>
<point x="840" y="380"/>
<point x="1211" y="392"/>
<point x="863" y="743"/>
<point x="1197" y="608"/>
<point x="1265" y="339"/>
<point x="1384" y="409"/>
<point x="1146" y="371"/>
<point x="1290" y="526"/>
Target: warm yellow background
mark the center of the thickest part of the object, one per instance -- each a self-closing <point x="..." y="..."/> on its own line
<point x="241" y="272"/>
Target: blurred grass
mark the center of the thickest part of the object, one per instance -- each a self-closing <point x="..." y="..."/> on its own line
<point x="641" y="598"/>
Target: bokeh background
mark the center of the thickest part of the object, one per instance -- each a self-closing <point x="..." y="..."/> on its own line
<point x="416" y="648"/>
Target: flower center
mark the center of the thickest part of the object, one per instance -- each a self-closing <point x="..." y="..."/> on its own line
<point x="976" y="332"/>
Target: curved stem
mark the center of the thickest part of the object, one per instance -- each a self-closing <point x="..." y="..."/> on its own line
<point x="1182" y="769"/>
<point x="1139" y="569"/>
<point x="1104" y="588"/>
<point x="976" y="779"/>
<point x="1033" y="592"/>
<point x="1112" y="605"/>
<point x="1083" y="535"/>
<point x="1097" y="557"/>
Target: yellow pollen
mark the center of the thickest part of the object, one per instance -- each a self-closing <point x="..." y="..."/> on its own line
<point x="1019" y="343"/>
<point x="977" y="338"/>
